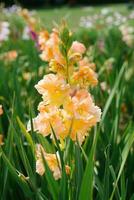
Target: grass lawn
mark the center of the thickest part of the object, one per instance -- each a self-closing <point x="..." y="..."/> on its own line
<point x="73" y="15"/>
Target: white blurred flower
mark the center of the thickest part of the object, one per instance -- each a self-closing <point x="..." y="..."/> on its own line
<point x="11" y="10"/>
<point x="109" y="19"/>
<point x="127" y="34"/>
<point x="106" y="17"/>
<point x="4" y="31"/>
<point x="103" y="86"/>
<point x="105" y="11"/>
<point x="26" y="33"/>
<point x="86" y="22"/>
<point x="131" y="16"/>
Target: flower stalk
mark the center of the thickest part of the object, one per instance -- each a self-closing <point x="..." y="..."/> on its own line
<point x="67" y="109"/>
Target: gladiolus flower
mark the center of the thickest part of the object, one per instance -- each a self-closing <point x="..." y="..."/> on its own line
<point x="49" y="116"/>
<point x="52" y="160"/>
<point x="31" y="21"/>
<point x="43" y="37"/>
<point x="83" y="113"/>
<point x="85" y="62"/>
<point x="78" y="47"/>
<point x="85" y="76"/>
<point x="12" y="55"/>
<point x="53" y="88"/>
<point x="67" y="105"/>
<point x="49" y="45"/>
<point x="9" y="56"/>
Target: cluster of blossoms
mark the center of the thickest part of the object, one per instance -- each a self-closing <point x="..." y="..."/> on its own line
<point x="66" y="104"/>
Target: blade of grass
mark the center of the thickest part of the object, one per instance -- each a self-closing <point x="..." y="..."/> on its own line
<point x="22" y="183"/>
<point x="78" y="169"/>
<point x="124" y="155"/>
<point x="108" y="103"/>
<point x="86" y="191"/>
<point x="27" y="135"/>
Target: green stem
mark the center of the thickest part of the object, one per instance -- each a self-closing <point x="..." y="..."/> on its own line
<point x="67" y="67"/>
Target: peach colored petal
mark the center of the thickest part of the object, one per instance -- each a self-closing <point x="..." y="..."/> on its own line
<point x="78" y="47"/>
<point x="1" y="110"/>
